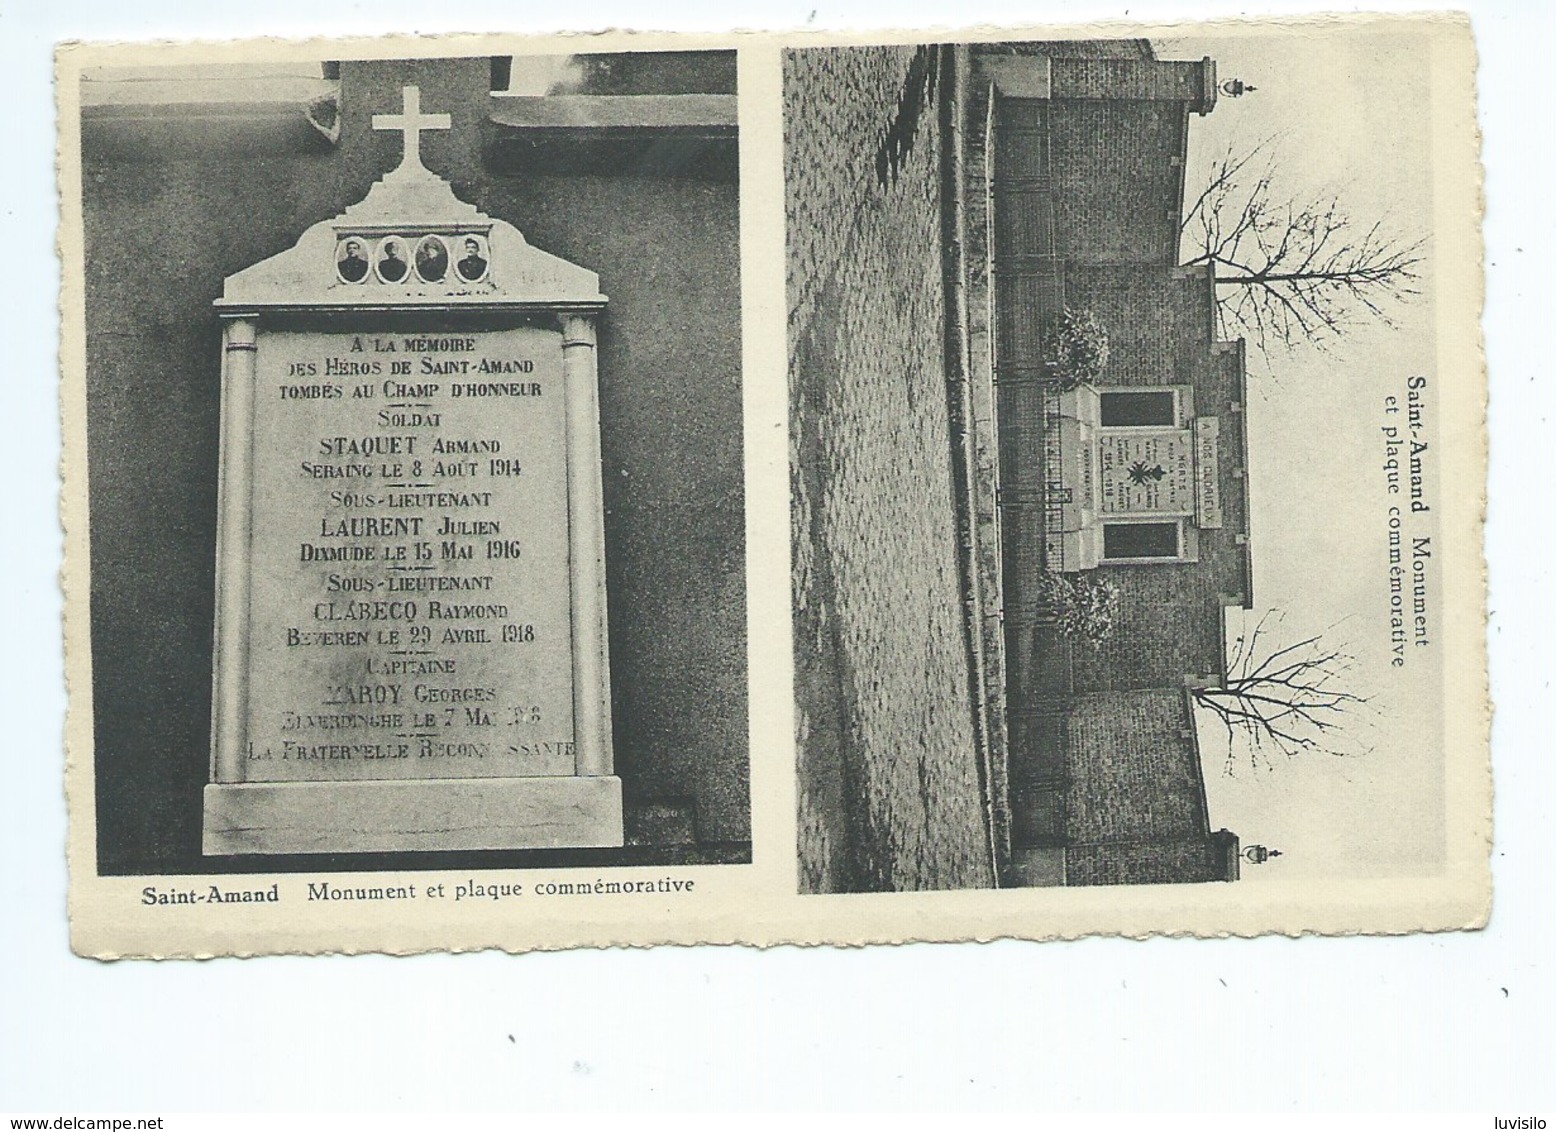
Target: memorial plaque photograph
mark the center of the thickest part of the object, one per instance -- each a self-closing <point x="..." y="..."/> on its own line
<point x="336" y="724"/>
<point x="529" y="493"/>
<point x="413" y="420"/>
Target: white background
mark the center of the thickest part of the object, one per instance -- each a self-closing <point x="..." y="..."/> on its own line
<point x="1445" y="1022"/>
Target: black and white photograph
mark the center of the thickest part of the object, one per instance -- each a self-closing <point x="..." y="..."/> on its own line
<point x="413" y="432"/>
<point x="650" y="491"/>
<point x="1115" y="461"/>
<point x="899" y="558"/>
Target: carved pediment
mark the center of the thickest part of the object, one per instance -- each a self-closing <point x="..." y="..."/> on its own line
<point x="411" y="243"/>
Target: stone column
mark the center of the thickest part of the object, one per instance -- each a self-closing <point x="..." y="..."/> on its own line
<point x="586" y="534"/>
<point x="229" y="716"/>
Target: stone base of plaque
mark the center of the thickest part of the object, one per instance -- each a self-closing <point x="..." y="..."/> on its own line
<point x="413" y="814"/>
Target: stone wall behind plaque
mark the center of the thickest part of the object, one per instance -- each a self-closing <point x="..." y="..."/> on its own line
<point x="177" y="201"/>
<point x="671" y="443"/>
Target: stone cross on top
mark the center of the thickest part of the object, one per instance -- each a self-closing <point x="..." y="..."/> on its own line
<point x="411" y="122"/>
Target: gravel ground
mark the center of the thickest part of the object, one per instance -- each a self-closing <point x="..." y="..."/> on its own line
<point x="889" y="794"/>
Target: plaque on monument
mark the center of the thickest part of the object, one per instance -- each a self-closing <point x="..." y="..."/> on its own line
<point x="410" y="637"/>
<point x="1147" y="473"/>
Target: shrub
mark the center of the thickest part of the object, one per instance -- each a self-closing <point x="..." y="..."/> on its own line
<point x="1083" y="606"/>
<point x="1076" y="349"/>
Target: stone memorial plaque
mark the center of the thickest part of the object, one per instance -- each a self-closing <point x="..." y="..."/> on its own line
<point x="1207" y="472"/>
<point x="411" y="645"/>
<point x="410" y="573"/>
<point x="1146" y="474"/>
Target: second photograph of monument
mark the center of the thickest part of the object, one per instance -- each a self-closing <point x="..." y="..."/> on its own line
<point x="1099" y="555"/>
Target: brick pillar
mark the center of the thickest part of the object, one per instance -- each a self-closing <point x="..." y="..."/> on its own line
<point x="1193" y="83"/>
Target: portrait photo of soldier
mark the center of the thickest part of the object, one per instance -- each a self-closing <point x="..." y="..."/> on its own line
<point x="392" y="267"/>
<point x="431" y="259"/>
<point x="352" y="265"/>
<point x="472" y="266"/>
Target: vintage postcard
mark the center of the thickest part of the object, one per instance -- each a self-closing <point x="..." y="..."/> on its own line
<point x="542" y="492"/>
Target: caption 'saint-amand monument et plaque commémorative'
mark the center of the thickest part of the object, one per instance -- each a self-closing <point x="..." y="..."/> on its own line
<point x="410" y="644"/>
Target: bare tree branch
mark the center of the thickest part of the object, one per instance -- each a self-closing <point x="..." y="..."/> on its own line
<point x="1289" y="699"/>
<point x="1291" y="273"/>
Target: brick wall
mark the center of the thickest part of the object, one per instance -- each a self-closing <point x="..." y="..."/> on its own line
<point x="1190" y="861"/>
<point x="1160" y="332"/>
<point x="1073" y="48"/>
<point x="1169" y="625"/>
<point x="1087" y="197"/>
<point x="1159" y="321"/>
<point x="1134" y="768"/>
<point x="1146" y="79"/>
<point x="1108" y="169"/>
<point x="1116" y="189"/>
